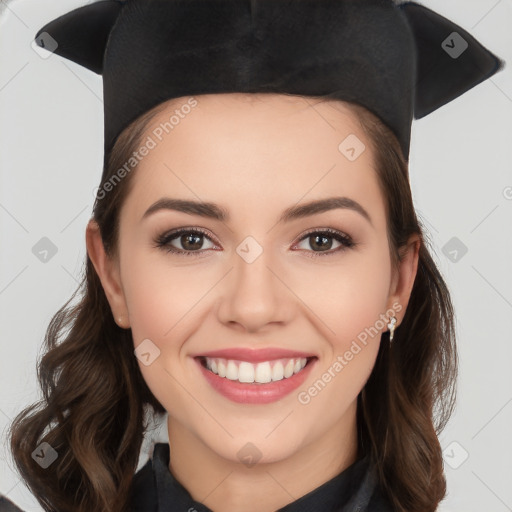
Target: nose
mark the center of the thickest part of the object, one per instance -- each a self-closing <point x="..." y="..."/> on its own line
<point x="255" y="295"/>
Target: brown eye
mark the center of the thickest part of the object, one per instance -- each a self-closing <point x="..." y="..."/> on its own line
<point x="321" y="242"/>
<point x="189" y="241"/>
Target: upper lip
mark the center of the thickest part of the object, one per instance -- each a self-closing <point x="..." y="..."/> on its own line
<point x="255" y="355"/>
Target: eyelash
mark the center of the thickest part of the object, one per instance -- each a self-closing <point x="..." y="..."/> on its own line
<point x="163" y="241"/>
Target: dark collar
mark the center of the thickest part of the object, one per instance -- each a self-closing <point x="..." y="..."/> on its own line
<point x="355" y="489"/>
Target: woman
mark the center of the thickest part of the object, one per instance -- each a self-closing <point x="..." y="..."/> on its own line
<point x="242" y="140"/>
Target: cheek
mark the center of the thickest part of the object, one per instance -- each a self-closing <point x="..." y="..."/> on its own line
<point x="348" y="296"/>
<point x="159" y="295"/>
<point x="160" y="301"/>
<point x="350" y="308"/>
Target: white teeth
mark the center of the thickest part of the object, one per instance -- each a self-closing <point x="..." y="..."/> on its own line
<point x="245" y="372"/>
<point x="232" y="371"/>
<point x="266" y="371"/>
<point x="288" y="369"/>
<point x="221" y="367"/>
<point x="263" y="372"/>
<point x="278" y="371"/>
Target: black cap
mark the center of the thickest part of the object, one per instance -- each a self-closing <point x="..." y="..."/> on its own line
<point x="398" y="60"/>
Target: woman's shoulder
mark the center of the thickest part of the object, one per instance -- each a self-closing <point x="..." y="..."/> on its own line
<point x="142" y="497"/>
<point x="143" y="494"/>
<point x="370" y="496"/>
<point x="379" y="502"/>
<point x="7" y="505"/>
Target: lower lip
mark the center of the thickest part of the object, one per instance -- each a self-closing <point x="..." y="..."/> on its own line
<point x="255" y="393"/>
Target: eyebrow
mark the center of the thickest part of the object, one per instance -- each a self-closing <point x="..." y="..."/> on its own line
<point x="216" y="212"/>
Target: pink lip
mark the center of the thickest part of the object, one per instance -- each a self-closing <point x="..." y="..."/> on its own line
<point x="247" y="393"/>
<point x="254" y="355"/>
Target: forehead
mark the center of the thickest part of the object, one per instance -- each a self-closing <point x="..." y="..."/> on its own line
<point x="263" y="147"/>
<point x="262" y="107"/>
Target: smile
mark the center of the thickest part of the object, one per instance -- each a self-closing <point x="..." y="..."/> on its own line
<point x="255" y="382"/>
<point x="260" y="373"/>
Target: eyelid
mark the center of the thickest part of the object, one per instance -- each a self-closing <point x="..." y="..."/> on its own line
<point x="163" y="241"/>
<point x="330" y="231"/>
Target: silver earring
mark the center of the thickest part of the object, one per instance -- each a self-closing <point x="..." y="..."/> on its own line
<point x="391" y="327"/>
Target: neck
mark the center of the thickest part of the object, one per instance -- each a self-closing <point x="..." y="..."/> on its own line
<point x="230" y="486"/>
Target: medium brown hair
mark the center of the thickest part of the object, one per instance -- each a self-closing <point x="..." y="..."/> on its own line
<point x="95" y="400"/>
<point x="411" y="392"/>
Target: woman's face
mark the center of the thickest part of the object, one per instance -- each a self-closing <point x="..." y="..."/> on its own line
<point x="265" y="284"/>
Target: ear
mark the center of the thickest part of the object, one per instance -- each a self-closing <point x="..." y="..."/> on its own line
<point x="403" y="279"/>
<point x="107" y="269"/>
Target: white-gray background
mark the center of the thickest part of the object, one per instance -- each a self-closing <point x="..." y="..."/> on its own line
<point x="461" y="176"/>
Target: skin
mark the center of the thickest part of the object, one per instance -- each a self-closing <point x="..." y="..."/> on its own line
<point x="255" y="156"/>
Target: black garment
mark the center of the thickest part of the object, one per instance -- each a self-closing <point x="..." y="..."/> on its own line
<point x="355" y="489"/>
<point x="7" y="505"/>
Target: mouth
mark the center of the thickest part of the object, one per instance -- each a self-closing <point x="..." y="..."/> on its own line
<point x="262" y="372"/>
